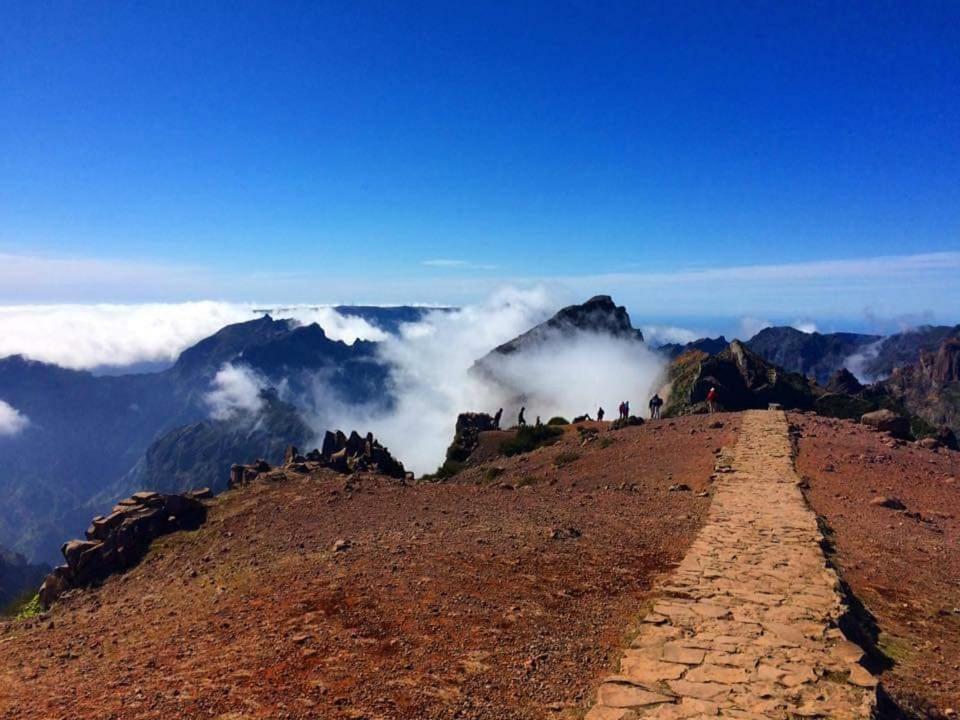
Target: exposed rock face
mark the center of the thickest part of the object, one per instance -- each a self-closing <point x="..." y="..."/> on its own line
<point x="930" y="387"/>
<point x="887" y="421"/>
<point x="467" y="435"/>
<point x="844" y="381"/>
<point x="945" y="368"/>
<point x="742" y="378"/>
<point x="597" y="315"/>
<point x="119" y="540"/>
<point x="341" y="453"/>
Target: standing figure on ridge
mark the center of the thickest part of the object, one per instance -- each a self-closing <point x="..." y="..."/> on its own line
<point x="600" y="414"/>
<point x="712" y="400"/>
<point x="496" y="419"/>
<point x="655" y="404"/>
<point x="521" y="422"/>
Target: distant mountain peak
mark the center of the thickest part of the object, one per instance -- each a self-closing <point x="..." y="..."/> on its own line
<point x="600" y="314"/>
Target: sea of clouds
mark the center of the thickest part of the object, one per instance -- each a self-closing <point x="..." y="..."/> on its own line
<point x="429" y="362"/>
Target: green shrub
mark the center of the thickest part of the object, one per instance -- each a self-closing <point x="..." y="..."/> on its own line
<point x="920" y="428"/>
<point x="493" y="473"/>
<point x="606" y="442"/>
<point x="527" y="480"/>
<point x="530" y="438"/>
<point x="26" y="607"/>
<point x="558" y="421"/>
<point x="565" y="458"/>
<point x="445" y="471"/>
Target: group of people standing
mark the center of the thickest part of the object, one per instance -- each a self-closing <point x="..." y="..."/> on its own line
<point x="655" y="404"/>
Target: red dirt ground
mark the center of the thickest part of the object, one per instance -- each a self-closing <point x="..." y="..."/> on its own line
<point x="903" y="565"/>
<point x="470" y="599"/>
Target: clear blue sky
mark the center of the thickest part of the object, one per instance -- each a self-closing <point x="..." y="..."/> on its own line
<point x="363" y="141"/>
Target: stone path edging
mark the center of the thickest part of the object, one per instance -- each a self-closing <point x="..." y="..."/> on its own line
<point x="746" y="625"/>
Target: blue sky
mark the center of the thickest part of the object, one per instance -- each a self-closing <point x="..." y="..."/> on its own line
<point x="359" y="151"/>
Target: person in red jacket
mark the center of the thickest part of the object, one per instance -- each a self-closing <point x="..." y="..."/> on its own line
<point x="712" y="400"/>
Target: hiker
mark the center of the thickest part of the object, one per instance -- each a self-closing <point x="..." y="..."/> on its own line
<point x="600" y="415"/>
<point x="621" y="410"/>
<point x="521" y="422"/>
<point x="654" y="404"/>
<point x="496" y="419"/>
<point x="537" y="423"/>
<point x="626" y="409"/>
<point x="712" y="400"/>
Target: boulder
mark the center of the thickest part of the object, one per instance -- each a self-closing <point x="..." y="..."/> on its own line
<point x="887" y="421"/>
<point x="929" y="443"/>
<point x="290" y="454"/>
<point x="947" y="438"/>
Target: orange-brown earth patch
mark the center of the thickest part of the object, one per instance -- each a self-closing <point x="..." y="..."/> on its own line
<point x="903" y="565"/>
<point x="485" y="597"/>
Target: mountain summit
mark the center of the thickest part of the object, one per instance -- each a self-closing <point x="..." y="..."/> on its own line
<point x="599" y="315"/>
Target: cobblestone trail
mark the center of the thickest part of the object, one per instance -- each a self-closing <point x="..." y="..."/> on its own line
<point x="746" y="626"/>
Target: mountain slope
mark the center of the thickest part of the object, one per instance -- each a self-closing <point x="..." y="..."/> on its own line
<point x="711" y="346"/>
<point x="87" y="432"/>
<point x="201" y="454"/>
<point x="742" y="378"/>
<point x="327" y="596"/>
<point x="813" y="354"/>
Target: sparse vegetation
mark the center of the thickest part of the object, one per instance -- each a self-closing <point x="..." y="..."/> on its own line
<point x="493" y="473"/>
<point x="527" y="480"/>
<point x="445" y="471"/>
<point x="565" y="458"/>
<point x="557" y="420"/>
<point x="530" y="438"/>
<point x="606" y="442"/>
<point x="28" y="607"/>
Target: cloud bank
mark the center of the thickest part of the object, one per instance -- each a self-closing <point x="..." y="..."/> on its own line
<point x="431" y="380"/>
<point x="90" y="336"/>
<point x="12" y="421"/>
<point x="236" y="391"/>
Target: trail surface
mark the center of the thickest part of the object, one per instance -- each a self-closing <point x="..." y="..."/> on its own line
<point x="746" y="626"/>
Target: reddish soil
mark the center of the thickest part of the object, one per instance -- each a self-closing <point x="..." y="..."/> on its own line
<point x="486" y="597"/>
<point x="903" y="565"/>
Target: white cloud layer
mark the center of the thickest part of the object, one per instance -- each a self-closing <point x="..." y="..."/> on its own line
<point x="236" y="390"/>
<point x="88" y="336"/>
<point x="12" y="421"/>
<point x="431" y="360"/>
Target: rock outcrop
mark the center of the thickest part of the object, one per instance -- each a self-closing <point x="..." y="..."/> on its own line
<point x="117" y="541"/>
<point x="844" y="381"/>
<point x="342" y="453"/>
<point x="467" y="435"/>
<point x="887" y="421"/>
<point x="742" y="378"/>
<point x="930" y="387"/>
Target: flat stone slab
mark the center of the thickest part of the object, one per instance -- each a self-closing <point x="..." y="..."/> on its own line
<point x="746" y="625"/>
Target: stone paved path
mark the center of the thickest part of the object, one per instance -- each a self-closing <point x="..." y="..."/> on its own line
<point x="745" y="627"/>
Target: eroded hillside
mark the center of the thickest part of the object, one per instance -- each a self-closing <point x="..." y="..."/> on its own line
<point x="500" y="594"/>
